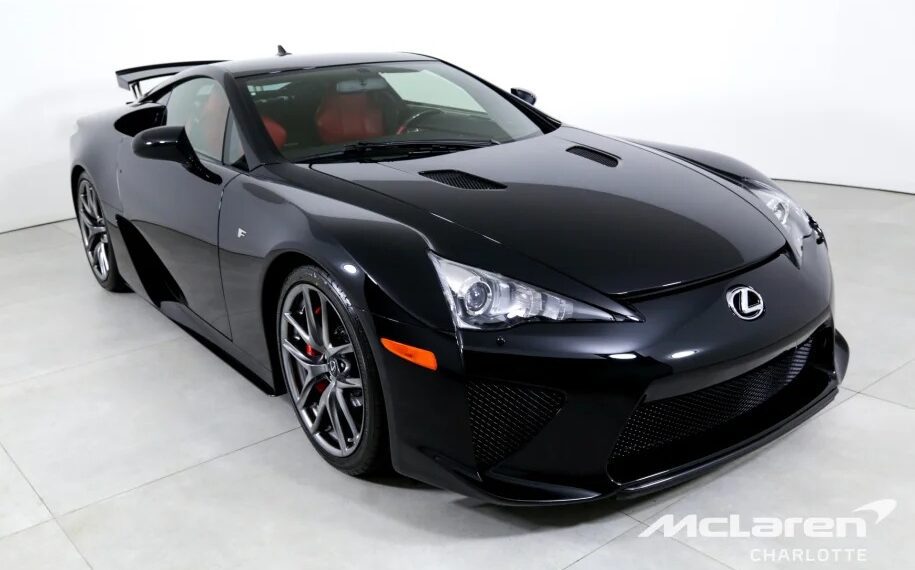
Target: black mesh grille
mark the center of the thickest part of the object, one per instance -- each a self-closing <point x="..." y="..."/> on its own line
<point x="462" y="180"/>
<point x="596" y="156"/>
<point x="663" y="422"/>
<point x="505" y="417"/>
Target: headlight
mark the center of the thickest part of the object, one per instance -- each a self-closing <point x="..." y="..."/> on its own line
<point x="482" y="299"/>
<point x="786" y="211"/>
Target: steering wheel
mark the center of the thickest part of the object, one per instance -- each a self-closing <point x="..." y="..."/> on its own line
<point x="415" y="117"/>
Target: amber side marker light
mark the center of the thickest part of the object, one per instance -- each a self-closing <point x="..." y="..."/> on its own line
<point x="423" y="358"/>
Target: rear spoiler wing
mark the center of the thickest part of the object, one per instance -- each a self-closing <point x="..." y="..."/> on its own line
<point x="130" y="78"/>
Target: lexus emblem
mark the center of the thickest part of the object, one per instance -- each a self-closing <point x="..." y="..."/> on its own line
<point x="745" y="302"/>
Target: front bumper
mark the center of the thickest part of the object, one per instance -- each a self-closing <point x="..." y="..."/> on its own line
<point x="543" y="414"/>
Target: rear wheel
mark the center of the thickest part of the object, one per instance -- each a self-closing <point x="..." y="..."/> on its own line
<point x="330" y="374"/>
<point x="96" y="240"/>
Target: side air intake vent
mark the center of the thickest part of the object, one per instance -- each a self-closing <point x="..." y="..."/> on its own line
<point x="595" y="155"/>
<point x="505" y="417"/>
<point x="462" y="180"/>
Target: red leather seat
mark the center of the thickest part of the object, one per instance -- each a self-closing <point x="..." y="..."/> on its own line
<point x="276" y="131"/>
<point x="343" y="117"/>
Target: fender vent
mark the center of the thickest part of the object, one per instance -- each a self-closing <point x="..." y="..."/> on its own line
<point x="595" y="155"/>
<point x="462" y="180"/>
<point x="154" y="276"/>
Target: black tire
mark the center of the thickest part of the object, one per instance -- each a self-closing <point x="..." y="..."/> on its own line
<point x="371" y="454"/>
<point x="89" y="213"/>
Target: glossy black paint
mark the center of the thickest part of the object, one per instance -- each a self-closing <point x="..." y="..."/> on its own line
<point x="613" y="229"/>
<point x="660" y="236"/>
<point x="172" y="144"/>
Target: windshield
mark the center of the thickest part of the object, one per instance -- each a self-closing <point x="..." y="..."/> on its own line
<point x="318" y="111"/>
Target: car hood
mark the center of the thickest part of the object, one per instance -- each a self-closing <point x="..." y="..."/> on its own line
<point x="648" y="222"/>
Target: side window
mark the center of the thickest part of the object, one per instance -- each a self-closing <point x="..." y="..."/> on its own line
<point x="234" y="154"/>
<point x="201" y="107"/>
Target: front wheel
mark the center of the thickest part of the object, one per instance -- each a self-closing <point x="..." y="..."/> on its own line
<point x="330" y="373"/>
<point x="96" y="240"/>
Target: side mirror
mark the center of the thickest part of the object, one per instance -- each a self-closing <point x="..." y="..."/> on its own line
<point x="525" y="95"/>
<point x="171" y="143"/>
<point x="141" y="118"/>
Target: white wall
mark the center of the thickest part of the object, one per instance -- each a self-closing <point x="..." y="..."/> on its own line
<point x="810" y="90"/>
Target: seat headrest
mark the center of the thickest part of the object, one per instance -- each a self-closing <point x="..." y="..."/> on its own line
<point x="276" y="131"/>
<point x="344" y="117"/>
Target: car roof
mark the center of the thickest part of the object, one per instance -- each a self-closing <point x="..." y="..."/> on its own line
<point x="247" y="67"/>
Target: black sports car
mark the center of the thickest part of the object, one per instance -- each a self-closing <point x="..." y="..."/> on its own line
<point x="447" y="280"/>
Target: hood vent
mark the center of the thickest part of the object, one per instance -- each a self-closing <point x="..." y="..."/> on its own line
<point x="462" y="180"/>
<point x="597" y="156"/>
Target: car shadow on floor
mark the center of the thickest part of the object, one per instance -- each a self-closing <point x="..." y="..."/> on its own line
<point x="414" y="502"/>
<point x="513" y="519"/>
<point x="452" y="512"/>
<point x="495" y="519"/>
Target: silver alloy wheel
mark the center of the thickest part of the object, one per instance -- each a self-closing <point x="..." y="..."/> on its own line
<point x="321" y="370"/>
<point x="93" y="229"/>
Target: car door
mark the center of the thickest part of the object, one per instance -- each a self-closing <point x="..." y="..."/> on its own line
<point x="176" y="210"/>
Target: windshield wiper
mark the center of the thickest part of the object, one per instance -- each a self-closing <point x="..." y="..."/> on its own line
<point x="366" y="150"/>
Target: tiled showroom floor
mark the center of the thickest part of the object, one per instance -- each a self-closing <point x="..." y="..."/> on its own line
<point x="127" y="445"/>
